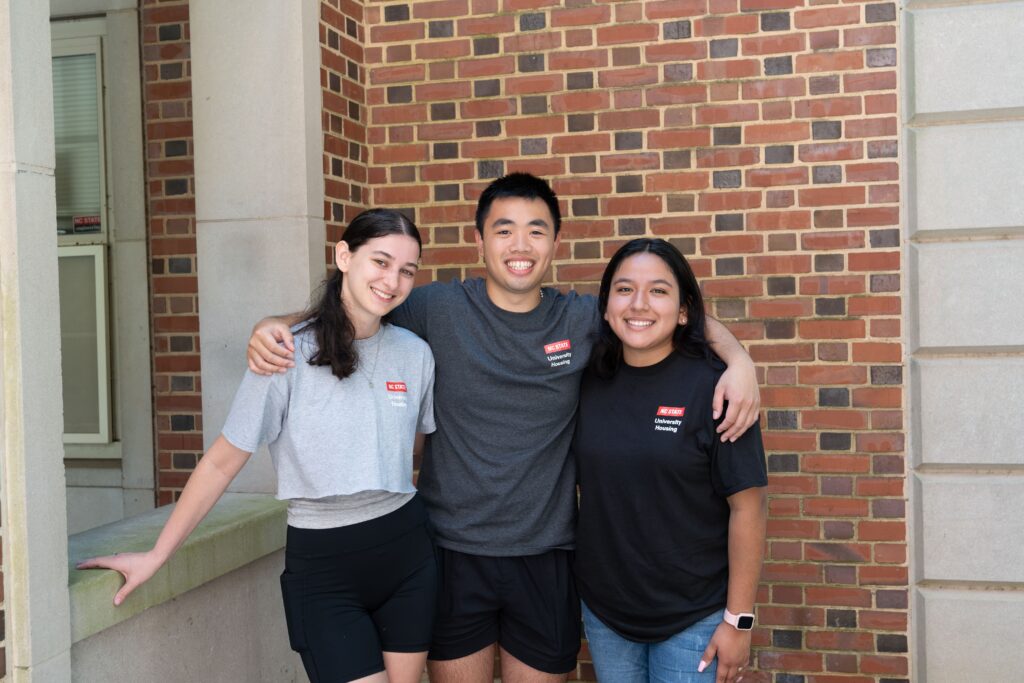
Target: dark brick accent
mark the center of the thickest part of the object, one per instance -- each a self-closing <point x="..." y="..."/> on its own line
<point x="396" y="13"/>
<point x="629" y="139"/>
<point x="183" y="461"/>
<point x="841" y="618"/>
<point x="530" y="63"/>
<point x="829" y="306"/>
<point x="778" y="154"/>
<point x="679" y="72"/>
<point x="632" y="226"/>
<point x="175" y="148"/>
<point x="583" y="164"/>
<point x="334" y="82"/>
<point x="181" y="344"/>
<point x="886" y="374"/>
<point x="487" y="88"/>
<point x="823" y="85"/>
<point x="442" y="111"/>
<point x="882" y="239"/>
<point x="885" y="282"/>
<point x="828" y="263"/>
<point x="183" y="423"/>
<point x="533" y="146"/>
<point x="781" y="286"/>
<point x="677" y="158"/>
<point x="895" y="599"/>
<point x="883" y="149"/>
<point x="676" y="30"/>
<point x="183" y="382"/>
<point x="729" y="135"/>
<point x="446" y="150"/>
<point x="629" y="183"/>
<point x="783" y="462"/>
<point x="828" y="218"/>
<point x="581" y="122"/>
<point x="582" y="250"/>
<point x="781" y="419"/>
<point x="180" y="264"/>
<point x="833" y="397"/>
<point x="826" y="130"/>
<point x="789" y="678"/>
<point x="775" y="21"/>
<point x="827" y="174"/>
<point x="490" y="169"/>
<point x="441" y="29"/>
<point x="534" y="21"/>
<point x="835" y="441"/>
<point x="779" y="329"/>
<point x="169" y="32"/>
<point x="686" y="245"/>
<point x="680" y="203"/>
<point x="791" y="640"/>
<point x="838" y="531"/>
<point x="891" y="642"/>
<point x="726" y="222"/>
<point x="534" y="104"/>
<point x="625" y="56"/>
<point x="486" y="46"/>
<point x="883" y="11"/>
<point x="732" y="265"/>
<point x="446" y="193"/>
<point x="724" y="47"/>
<point x="881" y="56"/>
<point x="399" y="94"/>
<point x="581" y="80"/>
<point x="727" y="179"/>
<point x="584" y="207"/>
<point x="176" y="186"/>
<point x="171" y="71"/>
<point x="778" y="66"/>
<point x="488" y="129"/>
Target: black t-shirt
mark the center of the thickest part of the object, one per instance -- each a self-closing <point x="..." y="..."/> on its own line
<point x="652" y="542"/>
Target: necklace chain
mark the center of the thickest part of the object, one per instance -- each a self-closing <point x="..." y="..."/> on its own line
<point x="376" y="355"/>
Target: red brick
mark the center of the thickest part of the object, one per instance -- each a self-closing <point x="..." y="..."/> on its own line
<point x="677" y="181"/>
<point x="674" y="9"/>
<point x="787" y="397"/>
<point x="829" y="16"/>
<point x="779" y="220"/>
<point x="797" y="573"/>
<point x="830" y="61"/>
<point x="531" y="85"/>
<point x="837" y="239"/>
<point x="617" y="163"/>
<point x="838" y="375"/>
<point x="869" y="35"/>
<point x="794" y="528"/>
<point x="718" y="157"/>
<point x="789" y="661"/>
<point x="630" y="206"/>
<point x="676" y="94"/>
<point x="831" y="329"/>
<point x="844" y="641"/>
<point x="779" y="353"/>
<point x="883" y="621"/>
<point x="578" y="144"/>
<point x="588" y="100"/>
<point x="729" y="201"/>
<point x="629" y="33"/>
<point x="775" y="87"/>
<point x="580" y="16"/>
<point x="875" y="262"/>
<point x="767" y="133"/>
<point x="831" y="196"/>
<point x="882" y="664"/>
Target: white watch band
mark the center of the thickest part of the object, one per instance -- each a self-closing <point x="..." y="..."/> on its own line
<point x="744" y="621"/>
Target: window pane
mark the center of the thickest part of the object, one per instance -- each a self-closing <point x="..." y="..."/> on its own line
<point x="79" y="340"/>
<point x="76" y="125"/>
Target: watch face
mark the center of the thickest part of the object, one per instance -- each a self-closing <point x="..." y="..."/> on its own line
<point x="745" y="622"/>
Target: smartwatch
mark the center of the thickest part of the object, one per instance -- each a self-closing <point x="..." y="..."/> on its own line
<point x="744" y="621"/>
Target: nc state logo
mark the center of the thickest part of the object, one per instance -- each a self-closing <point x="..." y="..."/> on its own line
<point x="671" y="411"/>
<point x="397" y="386"/>
<point x="555" y="347"/>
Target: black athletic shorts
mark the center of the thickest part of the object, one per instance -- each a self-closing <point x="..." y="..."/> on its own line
<point x="526" y="604"/>
<point x="354" y="591"/>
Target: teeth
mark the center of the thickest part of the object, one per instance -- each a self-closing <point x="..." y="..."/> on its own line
<point x="639" y="324"/>
<point x="383" y="295"/>
<point x="519" y="265"/>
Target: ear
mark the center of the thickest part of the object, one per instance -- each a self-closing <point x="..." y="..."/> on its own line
<point x="682" y="315"/>
<point x="342" y="255"/>
<point x="479" y="244"/>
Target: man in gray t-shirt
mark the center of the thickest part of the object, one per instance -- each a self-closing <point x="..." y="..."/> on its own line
<point x="497" y="478"/>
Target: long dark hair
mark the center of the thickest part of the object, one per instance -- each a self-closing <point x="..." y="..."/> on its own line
<point x="687" y="339"/>
<point x="328" y="318"/>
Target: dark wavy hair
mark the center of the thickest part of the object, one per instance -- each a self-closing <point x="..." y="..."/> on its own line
<point x="523" y="186"/>
<point x="327" y="317"/>
<point x="687" y="339"/>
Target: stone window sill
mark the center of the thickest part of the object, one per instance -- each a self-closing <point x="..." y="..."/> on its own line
<point x="240" y="529"/>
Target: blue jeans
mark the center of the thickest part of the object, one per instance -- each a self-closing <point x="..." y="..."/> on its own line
<point x="618" y="660"/>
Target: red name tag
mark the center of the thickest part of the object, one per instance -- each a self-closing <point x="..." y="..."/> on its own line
<point x="554" y="347"/>
<point x="397" y="386"/>
<point x="670" y="411"/>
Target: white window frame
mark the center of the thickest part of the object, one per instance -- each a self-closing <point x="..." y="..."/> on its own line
<point x="98" y="254"/>
<point x="83" y="38"/>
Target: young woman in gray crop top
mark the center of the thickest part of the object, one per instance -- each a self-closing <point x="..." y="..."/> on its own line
<point x="360" y="578"/>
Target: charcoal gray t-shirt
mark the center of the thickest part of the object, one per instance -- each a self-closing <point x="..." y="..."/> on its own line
<point x="496" y="475"/>
<point x="330" y="438"/>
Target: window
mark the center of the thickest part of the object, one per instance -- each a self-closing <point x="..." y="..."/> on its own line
<point x="82" y="235"/>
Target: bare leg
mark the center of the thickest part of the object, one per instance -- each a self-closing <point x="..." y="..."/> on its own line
<point x="380" y="677"/>
<point x="475" y="668"/>
<point x="515" y="671"/>
<point x="404" y="667"/>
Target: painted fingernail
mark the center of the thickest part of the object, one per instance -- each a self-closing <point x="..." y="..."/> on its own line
<point x="700" y="667"/>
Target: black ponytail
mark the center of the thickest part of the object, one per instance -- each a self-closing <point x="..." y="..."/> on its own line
<point x="331" y="325"/>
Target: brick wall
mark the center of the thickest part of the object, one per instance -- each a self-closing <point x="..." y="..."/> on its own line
<point x="170" y="197"/>
<point x="760" y="136"/>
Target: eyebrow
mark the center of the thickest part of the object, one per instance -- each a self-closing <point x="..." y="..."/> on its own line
<point x="508" y="221"/>
<point x="665" y="283"/>
<point x="381" y="252"/>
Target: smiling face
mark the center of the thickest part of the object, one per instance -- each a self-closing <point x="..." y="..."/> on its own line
<point x="644" y="308"/>
<point x="517" y="245"/>
<point x="377" y="277"/>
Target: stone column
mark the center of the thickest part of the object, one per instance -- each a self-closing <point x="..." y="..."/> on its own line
<point x="32" y="497"/>
<point x="259" y="183"/>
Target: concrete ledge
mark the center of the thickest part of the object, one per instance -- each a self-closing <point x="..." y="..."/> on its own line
<point x="240" y="529"/>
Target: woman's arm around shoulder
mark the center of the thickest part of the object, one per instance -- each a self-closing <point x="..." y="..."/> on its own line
<point x="738" y="384"/>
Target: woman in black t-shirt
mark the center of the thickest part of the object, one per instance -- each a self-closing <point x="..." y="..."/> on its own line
<point x="672" y="518"/>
